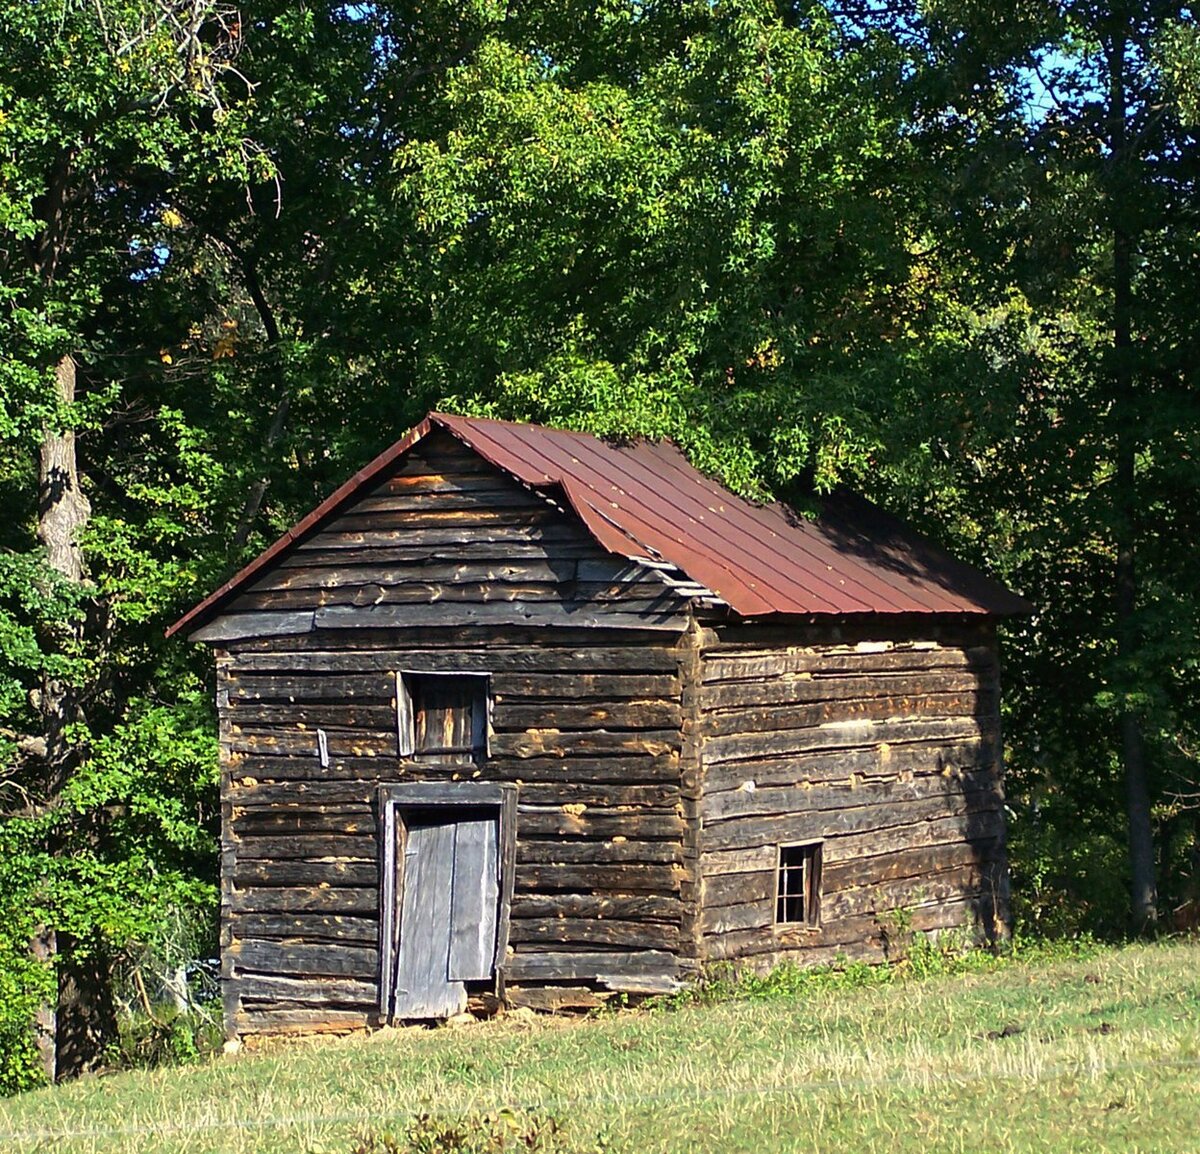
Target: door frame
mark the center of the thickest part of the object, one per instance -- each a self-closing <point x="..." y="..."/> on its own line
<point x="394" y="798"/>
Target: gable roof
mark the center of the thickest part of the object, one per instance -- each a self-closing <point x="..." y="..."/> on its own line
<point x="643" y="500"/>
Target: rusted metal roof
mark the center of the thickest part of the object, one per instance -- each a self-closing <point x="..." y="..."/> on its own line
<point x="643" y="500"/>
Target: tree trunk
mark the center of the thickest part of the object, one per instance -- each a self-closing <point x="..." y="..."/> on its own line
<point x="44" y="947"/>
<point x="1143" y="890"/>
<point x="87" y="1017"/>
<point x="63" y="511"/>
<point x="69" y="1034"/>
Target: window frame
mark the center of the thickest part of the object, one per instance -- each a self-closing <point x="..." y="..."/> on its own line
<point x="809" y="864"/>
<point x="407" y="708"/>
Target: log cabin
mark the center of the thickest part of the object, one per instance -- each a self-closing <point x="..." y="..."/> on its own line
<point x="525" y="714"/>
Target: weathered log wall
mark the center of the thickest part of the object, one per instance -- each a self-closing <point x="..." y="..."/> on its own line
<point x="886" y="749"/>
<point x="450" y="541"/>
<point x="448" y="566"/>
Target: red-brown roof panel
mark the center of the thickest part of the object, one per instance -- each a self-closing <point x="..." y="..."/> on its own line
<point x="643" y="500"/>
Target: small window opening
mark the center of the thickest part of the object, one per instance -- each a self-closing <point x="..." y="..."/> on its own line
<point x="798" y="885"/>
<point x="442" y="716"/>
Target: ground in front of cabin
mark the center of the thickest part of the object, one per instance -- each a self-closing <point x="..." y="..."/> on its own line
<point x="1098" y="1053"/>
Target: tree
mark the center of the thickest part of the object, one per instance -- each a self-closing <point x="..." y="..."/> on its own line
<point x="106" y="106"/>
<point x="1089" y="253"/>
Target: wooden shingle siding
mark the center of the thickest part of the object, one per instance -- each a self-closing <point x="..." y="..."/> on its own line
<point x="886" y="751"/>
<point x="448" y="541"/>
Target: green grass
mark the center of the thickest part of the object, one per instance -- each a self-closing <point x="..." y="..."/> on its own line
<point x="1088" y="1053"/>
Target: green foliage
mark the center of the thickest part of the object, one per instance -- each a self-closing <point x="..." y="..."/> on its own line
<point x="913" y="957"/>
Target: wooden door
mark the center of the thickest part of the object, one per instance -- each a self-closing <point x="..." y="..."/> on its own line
<point x="448" y="887"/>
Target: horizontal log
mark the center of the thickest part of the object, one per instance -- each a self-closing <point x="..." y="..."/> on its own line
<point x="573" y="686"/>
<point x="311" y="991"/>
<point x="882" y="760"/>
<point x="413" y="591"/>
<point x="278" y="1020"/>
<point x="552" y="999"/>
<point x="829" y="823"/>
<point x="304" y="768"/>
<point x="463" y="655"/>
<point x="295" y="898"/>
<point x="789" y="717"/>
<point x="538" y="822"/>
<point x="846" y="735"/>
<point x="631" y="877"/>
<point x="600" y="906"/>
<point x="410" y="499"/>
<point x="554" y="743"/>
<point x="307" y="927"/>
<point x="664" y="796"/>
<point x="378" y="687"/>
<point x="283" y="873"/>
<point x="279" y="821"/>
<point x="597" y="852"/>
<point x="911" y="863"/>
<point x="575" y="776"/>
<point x="295" y="846"/>
<point x="721" y="807"/>
<point x="246" y="790"/>
<point x="496" y="571"/>
<point x="334" y="961"/>
<point x="735" y="889"/>
<point x="719" y="666"/>
<point x="881" y="898"/>
<point x="862" y="937"/>
<point x="407" y="554"/>
<point x="804" y="688"/>
<point x="231" y="626"/>
<point x="589" y="931"/>
<point x="372" y="522"/>
<point x="610" y="715"/>
<point x="746" y="915"/>
<point x="546" y="529"/>
<point x="594" y="964"/>
<point x="667" y="615"/>
<point x="342" y="715"/>
<point x="951" y="885"/>
<point x="291" y="741"/>
<point x="438" y="454"/>
<point x="490" y="480"/>
<point x="634" y="767"/>
<point x="593" y="824"/>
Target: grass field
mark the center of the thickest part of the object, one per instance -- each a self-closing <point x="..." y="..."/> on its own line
<point x="1099" y="1053"/>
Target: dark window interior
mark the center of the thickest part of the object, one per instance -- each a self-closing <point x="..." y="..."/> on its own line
<point x="798" y="888"/>
<point x="449" y="715"/>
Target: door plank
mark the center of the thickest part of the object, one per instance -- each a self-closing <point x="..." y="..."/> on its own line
<point x="475" y="900"/>
<point x="423" y="988"/>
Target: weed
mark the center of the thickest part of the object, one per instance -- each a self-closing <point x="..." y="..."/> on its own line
<point x="165" y="1038"/>
<point x="505" y="1130"/>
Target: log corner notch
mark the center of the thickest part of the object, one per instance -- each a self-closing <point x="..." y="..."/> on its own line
<point x="692" y="782"/>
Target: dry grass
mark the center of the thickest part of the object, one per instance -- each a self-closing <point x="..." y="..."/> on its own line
<point x="1102" y="1054"/>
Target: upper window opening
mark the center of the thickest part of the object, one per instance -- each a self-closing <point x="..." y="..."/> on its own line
<point x="442" y="716"/>
<point x="798" y="885"/>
